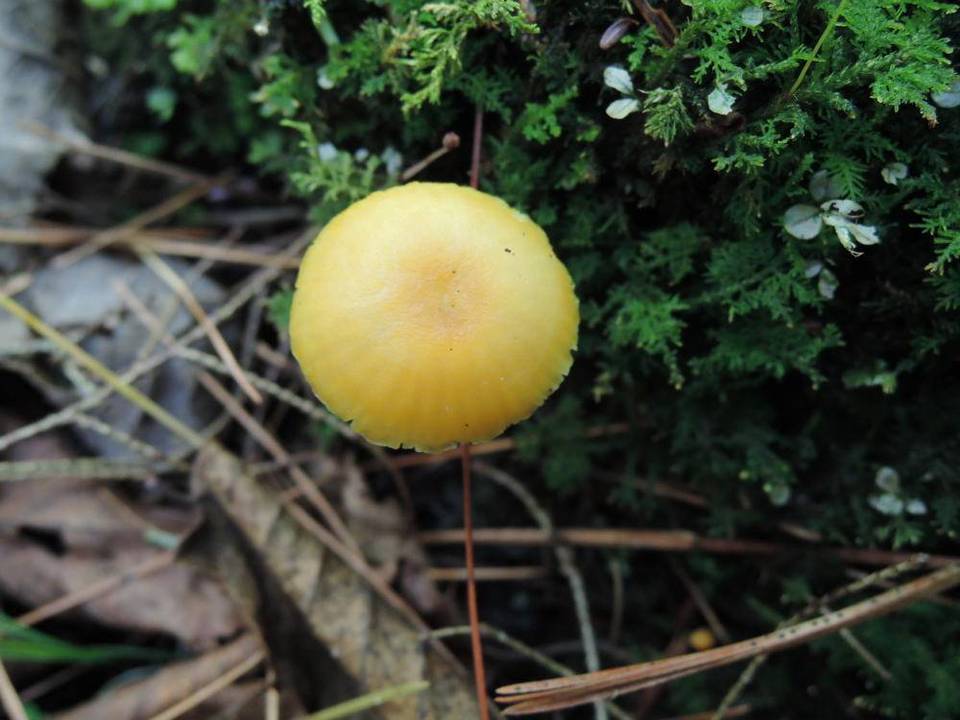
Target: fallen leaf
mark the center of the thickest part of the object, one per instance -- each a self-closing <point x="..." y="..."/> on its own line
<point x="375" y="643"/>
<point x="59" y="537"/>
<point x="169" y="685"/>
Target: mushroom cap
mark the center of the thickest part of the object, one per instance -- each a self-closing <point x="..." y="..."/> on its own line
<point x="432" y="314"/>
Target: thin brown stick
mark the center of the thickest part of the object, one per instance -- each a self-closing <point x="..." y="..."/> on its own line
<point x="96" y="589"/>
<point x="734" y="712"/>
<point x="667" y="541"/>
<point x="240" y="297"/>
<point x="9" y="699"/>
<point x="211" y="689"/>
<point x="479" y="673"/>
<point x="864" y="652"/>
<point x="269" y="443"/>
<point x="186" y="248"/>
<point x="566" y="562"/>
<point x="558" y="693"/>
<point x="121" y="157"/>
<point x="124" y="230"/>
<point x="189" y="300"/>
<point x="518" y="573"/>
<point x="271" y="704"/>
<point x="522" y="649"/>
<point x="616" y="614"/>
<point x="874" y="578"/>
<point x="412" y="459"/>
<point x="475" y="151"/>
<point x="161" y="242"/>
<point x="658" y="19"/>
<point x="48" y="234"/>
<point x="678" y="643"/>
<point x="451" y="141"/>
<point x="95" y="367"/>
<point x="703" y="605"/>
<point x="16" y="284"/>
<point x="415" y="459"/>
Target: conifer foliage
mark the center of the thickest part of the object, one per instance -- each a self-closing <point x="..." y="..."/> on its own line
<point x="761" y="214"/>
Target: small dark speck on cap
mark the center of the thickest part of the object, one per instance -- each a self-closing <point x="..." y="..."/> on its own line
<point x="508" y="250"/>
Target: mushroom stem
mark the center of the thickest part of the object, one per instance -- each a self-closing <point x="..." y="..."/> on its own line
<point x="479" y="674"/>
<point x="451" y="141"/>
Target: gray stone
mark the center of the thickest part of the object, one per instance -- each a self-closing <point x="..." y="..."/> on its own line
<point x="33" y="89"/>
<point x="82" y="299"/>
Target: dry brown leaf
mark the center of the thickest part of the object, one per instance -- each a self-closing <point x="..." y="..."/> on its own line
<point x="372" y="642"/>
<point x="384" y="534"/>
<point x="175" y="600"/>
<point x="100" y="537"/>
<point x="171" y="684"/>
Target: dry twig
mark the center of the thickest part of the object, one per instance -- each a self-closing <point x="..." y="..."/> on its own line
<point x="876" y="578"/>
<point x="558" y="693"/>
<point x="668" y="541"/>
<point x="96" y="589"/>
<point x="8" y="697"/>
<point x="567" y="566"/>
<point x="248" y="290"/>
<point x="220" y="393"/>
<point x="121" y="157"/>
<point x="124" y="230"/>
<point x="522" y="649"/>
<point x="182" y="291"/>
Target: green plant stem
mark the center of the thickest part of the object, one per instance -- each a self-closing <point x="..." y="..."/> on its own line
<point x="827" y="32"/>
<point x="370" y="700"/>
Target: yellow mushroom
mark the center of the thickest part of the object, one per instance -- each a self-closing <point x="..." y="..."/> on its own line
<point x="701" y="639"/>
<point x="432" y="314"/>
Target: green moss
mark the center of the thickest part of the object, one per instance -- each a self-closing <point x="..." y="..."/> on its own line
<point x="772" y="373"/>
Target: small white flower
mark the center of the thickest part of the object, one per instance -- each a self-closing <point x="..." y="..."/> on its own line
<point x="949" y="98"/>
<point x="916" y="507"/>
<point x="840" y="215"/>
<point x="323" y="79"/>
<point x="888" y="504"/>
<point x="864" y="234"/>
<point x="887" y="479"/>
<point x="823" y="186"/>
<point x="827" y="285"/>
<point x="720" y="101"/>
<point x="803" y="221"/>
<point x="806" y="221"/>
<point x="262" y="26"/>
<point x="617" y="78"/>
<point x="392" y="160"/>
<point x="752" y="16"/>
<point x="619" y="109"/>
<point x="843" y="235"/>
<point x="778" y="492"/>
<point x="893" y="173"/>
<point x="361" y="154"/>
<point x="846" y="208"/>
<point x="326" y="151"/>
